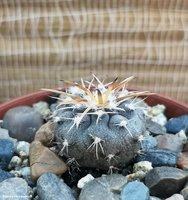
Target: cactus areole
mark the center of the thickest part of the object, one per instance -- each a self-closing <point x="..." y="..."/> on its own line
<point x="99" y="124"/>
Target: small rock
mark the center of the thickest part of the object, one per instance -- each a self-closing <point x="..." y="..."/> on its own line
<point x="6" y="153"/>
<point x="45" y="134"/>
<point x="176" y="197"/>
<point x="5" y="175"/>
<point x="22" y="122"/>
<point x="14" y="187"/>
<point x="22" y="149"/>
<point x="183" y="161"/>
<point x="25" y="163"/>
<point x="51" y="187"/>
<point x="24" y="172"/>
<point x="144" y="166"/>
<point x="149" y="143"/>
<point x="135" y="190"/>
<point x="184" y="192"/>
<point x="15" y="162"/>
<point x="175" y="125"/>
<point x="84" y="180"/>
<point x="160" y="119"/>
<point x="105" y="187"/>
<point x="43" y="108"/>
<point x="154" y="128"/>
<point x="1" y="123"/>
<point x="169" y="142"/>
<point x="139" y="175"/>
<point x="182" y="136"/>
<point x="159" y="157"/>
<point x="163" y="182"/>
<point x="43" y="160"/>
<point x="5" y="135"/>
<point x="156" y="110"/>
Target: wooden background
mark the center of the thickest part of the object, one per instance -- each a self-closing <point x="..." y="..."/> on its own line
<point x="44" y="41"/>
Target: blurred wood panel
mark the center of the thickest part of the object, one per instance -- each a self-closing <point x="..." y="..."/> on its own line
<point x="43" y="41"/>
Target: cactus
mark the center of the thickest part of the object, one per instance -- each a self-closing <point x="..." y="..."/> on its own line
<point x="99" y="125"/>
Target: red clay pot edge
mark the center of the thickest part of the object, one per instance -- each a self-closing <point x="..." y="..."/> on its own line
<point x="174" y="107"/>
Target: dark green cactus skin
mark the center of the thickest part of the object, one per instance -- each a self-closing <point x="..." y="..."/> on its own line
<point x="103" y="144"/>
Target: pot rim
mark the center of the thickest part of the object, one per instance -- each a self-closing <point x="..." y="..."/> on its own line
<point x="174" y="107"/>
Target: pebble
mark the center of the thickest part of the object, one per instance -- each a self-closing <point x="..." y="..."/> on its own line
<point x="182" y="136"/>
<point x="14" y="188"/>
<point x="155" y="128"/>
<point x="183" y="161"/>
<point x="144" y="166"/>
<point x="148" y="143"/>
<point x="169" y="142"/>
<point x="5" y="175"/>
<point x="6" y="153"/>
<point x="51" y="187"/>
<point x="176" y="197"/>
<point x="22" y="149"/>
<point x="159" y="157"/>
<point x="24" y="172"/>
<point x="105" y="187"/>
<point x="184" y="192"/>
<point x="15" y="162"/>
<point x="84" y="180"/>
<point x="164" y="181"/>
<point x="175" y="125"/>
<point x="22" y="122"/>
<point x="45" y="134"/>
<point x="135" y="190"/>
<point x="43" y="160"/>
<point x="156" y="110"/>
<point x="160" y="119"/>
<point x="43" y="108"/>
<point x="5" y="135"/>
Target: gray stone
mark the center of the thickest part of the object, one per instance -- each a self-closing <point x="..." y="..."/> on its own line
<point x="6" y="152"/>
<point x="5" y="175"/>
<point x="135" y="190"/>
<point x="169" y="142"/>
<point x="51" y="187"/>
<point x="154" y="198"/>
<point x="159" y="157"/>
<point x="14" y="188"/>
<point x="154" y="128"/>
<point x="163" y="182"/>
<point x="22" y="149"/>
<point x="105" y="187"/>
<point x="22" y="122"/>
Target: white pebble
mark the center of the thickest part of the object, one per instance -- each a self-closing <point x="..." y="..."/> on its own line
<point x="15" y="162"/>
<point x="182" y="136"/>
<point x="22" y="149"/>
<point x="156" y="110"/>
<point x="160" y="119"/>
<point x="144" y="166"/>
<point x="24" y="172"/>
<point x="25" y="163"/>
<point x="84" y="180"/>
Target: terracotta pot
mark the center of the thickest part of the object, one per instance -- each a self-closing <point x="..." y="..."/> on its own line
<point x="174" y="108"/>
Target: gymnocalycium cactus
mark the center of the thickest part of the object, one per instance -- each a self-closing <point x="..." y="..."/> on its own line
<point x="99" y="125"/>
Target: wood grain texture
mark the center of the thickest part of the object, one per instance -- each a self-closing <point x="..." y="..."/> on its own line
<point x="44" y="41"/>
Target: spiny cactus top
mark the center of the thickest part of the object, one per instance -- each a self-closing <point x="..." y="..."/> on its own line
<point x="99" y="124"/>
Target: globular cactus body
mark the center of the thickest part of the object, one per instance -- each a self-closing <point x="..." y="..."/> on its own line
<point x="101" y="126"/>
